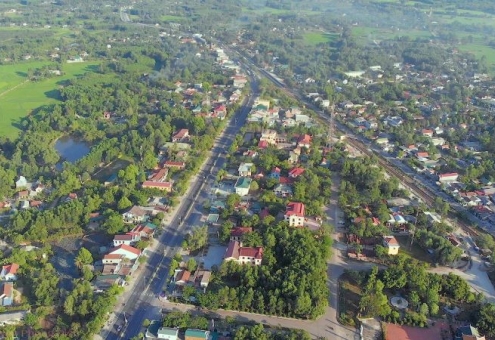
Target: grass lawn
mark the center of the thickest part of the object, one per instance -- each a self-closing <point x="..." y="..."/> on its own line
<point x="349" y="296"/>
<point x="315" y="38"/>
<point x="415" y="252"/>
<point x="19" y="102"/>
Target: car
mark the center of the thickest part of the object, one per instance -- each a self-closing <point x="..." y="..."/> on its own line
<point x="119" y="328"/>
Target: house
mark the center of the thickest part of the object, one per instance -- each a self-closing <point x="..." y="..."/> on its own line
<point x="239" y="81"/>
<point x="144" y="231"/>
<point x="127" y="239"/>
<point x="245" y="169"/>
<point x="242" y="186"/>
<point x="160" y="175"/>
<point x="7" y="294"/>
<point x="197" y="334"/>
<point x="128" y="252"/>
<point x="23" y="194"/>
<point x="135" y="215"/>
<point x="275" y="174"/>
<point x="182" y="277"/>
<point x="293" y="157"/>
<point x="468" y="333"/>
<point x="422" y="155"/>
<point x="21" y="183"/>
<point x="263" y="144"/>
<point x="250" y="154"/>
<point x="283" y="190"/>
<point x="38" y="188"/>
<point x="269" y="136"/>
<point x="165" y="186"/>
<point x="181" y="136"/>
<point x="9" y="272"/>
<point x="427" y="133"/>
<point x="437" y="331"/>
<point x="304" y="141"/>
<point x="237" y="233"/>
<point x="112" y="259"/>
<point x="391" y="243"/>
<point x="448" y="177"/>
<point x="172" y="164"/>
<point x="35" y="204"/>
<point x="155" y="331"/>
<point x="201" y="278"/>
<point x="296" y="172"/>
<point x="294" y="214"/>
<point x="243" y="255"/>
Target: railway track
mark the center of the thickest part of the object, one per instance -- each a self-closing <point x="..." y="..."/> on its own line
<point x="424" y="193"/>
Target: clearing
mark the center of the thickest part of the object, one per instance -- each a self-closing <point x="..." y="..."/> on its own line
<point x="315" y="38"/>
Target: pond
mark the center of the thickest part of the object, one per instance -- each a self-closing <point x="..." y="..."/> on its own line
<point x="71" y="149"/>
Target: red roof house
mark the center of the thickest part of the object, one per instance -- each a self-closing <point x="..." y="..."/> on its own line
<point x="296" y="172"/>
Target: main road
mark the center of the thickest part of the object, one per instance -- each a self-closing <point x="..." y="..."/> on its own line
<point x="130" y="315"/>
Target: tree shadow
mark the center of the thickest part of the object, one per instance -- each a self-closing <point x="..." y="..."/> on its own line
<point x="21" y="74"/>
<point x="53" y="94"/>
<point x="92" y="68"/>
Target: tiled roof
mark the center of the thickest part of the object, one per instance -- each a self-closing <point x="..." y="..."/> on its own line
<point x="10" y="268"/>
<point x="127" y="248"/>
<point x="295" y="208"/>
<point x="256" y="252"/>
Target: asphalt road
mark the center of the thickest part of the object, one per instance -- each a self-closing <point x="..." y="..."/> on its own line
<point x="155" y="274"/>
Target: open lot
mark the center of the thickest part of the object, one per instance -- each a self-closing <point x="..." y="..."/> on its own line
<point x="171" y="18"/>
<point x="27" y="96"/>
<point x="214" y="256"/>
<point x="315" y="38"/>
<point x="65" y="252"/>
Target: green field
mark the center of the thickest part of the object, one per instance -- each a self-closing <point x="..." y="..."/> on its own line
<point x="275" y="11"/>
<point x="12" y="75"/>
<point x="315" y="38"/>
<point x="171" y="18"/>
<point x="368" y="34"/>
<point x="19" y="102"/>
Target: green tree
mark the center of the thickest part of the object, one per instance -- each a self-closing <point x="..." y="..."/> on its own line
<point x="486" y="319"/>
<point x="149" y="159"/>
<point x="191" y="264"/>
<point x="83" y="257"/>
<point x="124" y="203"/>
<point x="197" y="239"/>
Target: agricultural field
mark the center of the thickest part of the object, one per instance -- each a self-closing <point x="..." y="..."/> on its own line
<point x="20" y="97"/>
<point x="369" y="34"/>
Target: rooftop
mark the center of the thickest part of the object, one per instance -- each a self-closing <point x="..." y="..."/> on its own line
<point x="295" y="208"/>
<point x="243" y="182"/>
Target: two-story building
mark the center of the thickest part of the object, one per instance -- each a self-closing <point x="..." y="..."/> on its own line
<point x="242" y="186"/>
<point x="294" y="214"/>
<point x="243" y="255"/>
